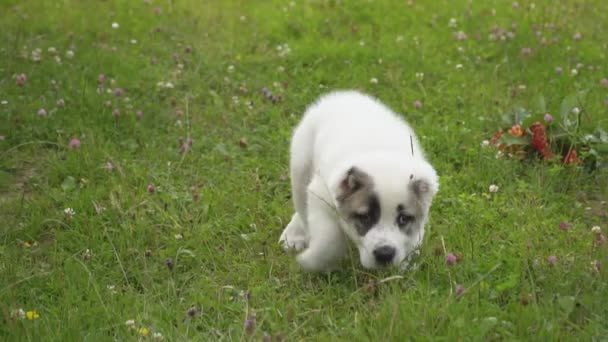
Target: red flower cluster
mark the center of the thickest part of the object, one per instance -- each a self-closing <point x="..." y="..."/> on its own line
<point x="539" y="140"/>
<point x="534" y="140"/>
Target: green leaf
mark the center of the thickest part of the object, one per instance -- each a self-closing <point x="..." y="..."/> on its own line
<point x="487" y="324"/>
<point x="69" y="183"/>
<point x="539" y="104"/>
<point x="566" y="303"/>
<point x="510" y="283"/>
<point x="529" y="121"/>
<point x="182" y="251"/>
<point x="568" y="118"/>
<point x="516" y="116"/>
<point x="602" y="135"/>
<point x="221" y="148"/>
<point x="509" y="140"/>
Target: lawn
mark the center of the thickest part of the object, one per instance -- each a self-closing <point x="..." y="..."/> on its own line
<point x="144" y="179"/>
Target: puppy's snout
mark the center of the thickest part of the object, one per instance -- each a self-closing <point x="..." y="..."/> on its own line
<point x="384" y="255"/>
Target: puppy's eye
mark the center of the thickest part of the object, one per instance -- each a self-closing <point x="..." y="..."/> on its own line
<point x="404" y="219"/>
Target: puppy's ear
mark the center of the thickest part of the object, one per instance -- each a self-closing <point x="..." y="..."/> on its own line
<point x="353" y="181"/>
<point x="423" y="188"/>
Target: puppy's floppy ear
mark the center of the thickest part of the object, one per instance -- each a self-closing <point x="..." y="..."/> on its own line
<point x="353" y="180"/>
<point x="423" y="188"/>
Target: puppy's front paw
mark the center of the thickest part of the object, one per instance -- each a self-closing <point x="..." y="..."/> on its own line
<point x="292" y="240"/>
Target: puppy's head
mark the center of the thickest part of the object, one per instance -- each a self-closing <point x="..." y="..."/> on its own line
<point x="384" y="206"/>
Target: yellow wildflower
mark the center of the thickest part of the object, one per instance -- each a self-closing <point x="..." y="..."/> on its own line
<point x="143" y="332"/>
<point x="32" y="315"/>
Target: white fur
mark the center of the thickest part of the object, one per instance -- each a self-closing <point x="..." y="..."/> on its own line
<point x="341" y="130"/>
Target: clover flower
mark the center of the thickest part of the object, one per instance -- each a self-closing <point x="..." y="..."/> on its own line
<point x="74" y="143"/>
<point x="451" y="259"/>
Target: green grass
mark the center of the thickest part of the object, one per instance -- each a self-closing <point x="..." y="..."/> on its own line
<point x="229" y="199"/>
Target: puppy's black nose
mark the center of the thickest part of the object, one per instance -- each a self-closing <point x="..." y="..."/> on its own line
<point x="384" y="255"/>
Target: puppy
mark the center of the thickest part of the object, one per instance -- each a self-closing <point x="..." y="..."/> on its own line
<point x="357" y="173"/>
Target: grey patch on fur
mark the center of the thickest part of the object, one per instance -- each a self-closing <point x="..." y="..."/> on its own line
<point x="358" y="202"/>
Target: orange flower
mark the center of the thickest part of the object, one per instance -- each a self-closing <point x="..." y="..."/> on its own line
<point x="572" y="158"/>
<point x="516" y="131"/>
<point x="496" y="137"/>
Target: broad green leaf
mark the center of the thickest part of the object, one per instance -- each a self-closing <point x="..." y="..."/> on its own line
<point x="566" y="303"/>
<point x="529" y="121"/>
<point x="568" y="118"/>
<point x="603" y="136"/>
<point x="69" y="183"/>
<point x="511" y="140"/>
<point x="516" y="116"/>
<point x="510" y="283"/>
<point x="487" y="324"/>
<point x="539" y="104"/>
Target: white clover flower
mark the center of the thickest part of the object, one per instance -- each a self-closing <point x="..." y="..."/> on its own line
<point x="69" y="54"/>
<point x="460" y="35"/>
<point x="130" y="323"/>
<point x="574" y="72"/>
<point x="458" y="66"/>
<point x="576" y="110"/>
<point x="17" y="313"/>
<point x="452" y="23"/>
<point x="485" y="143"/>
<point x="596" y="230"/>
<point x="36" y="55"/>
<point x="231" y="68"/>
<point x="87" y="254"/>
<point x="69" y="212"/>
<point x="157" y="336"/>
<point x="283" y="50"/>
<point x="419" y="76"/>
<point x="373" y="80"/>
<point x="115" y="25"/>
<point x="493" y="188"/>
<point x="178" y="236"/>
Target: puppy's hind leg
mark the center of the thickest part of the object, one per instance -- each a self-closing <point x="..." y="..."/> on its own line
<point x="295" y="235"/>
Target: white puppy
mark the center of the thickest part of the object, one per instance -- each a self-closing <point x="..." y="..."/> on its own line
<point x="357" y="171"/>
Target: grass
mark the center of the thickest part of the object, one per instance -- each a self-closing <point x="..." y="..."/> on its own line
<point x="206" y="237"/>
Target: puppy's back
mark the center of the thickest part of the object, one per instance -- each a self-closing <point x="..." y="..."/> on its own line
<point x="344" y="123"/>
